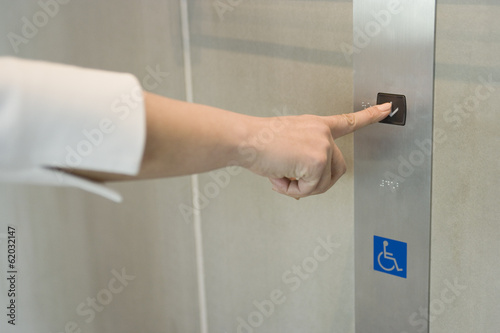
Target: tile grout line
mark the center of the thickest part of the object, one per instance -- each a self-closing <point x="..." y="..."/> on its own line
<point x="186" y="46"/>
<point x="202" y="299"/>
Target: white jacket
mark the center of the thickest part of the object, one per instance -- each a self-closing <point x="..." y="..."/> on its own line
<point x="57" y="116"/>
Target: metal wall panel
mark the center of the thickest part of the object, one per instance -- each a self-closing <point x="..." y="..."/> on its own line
<point x="393" y="52"/>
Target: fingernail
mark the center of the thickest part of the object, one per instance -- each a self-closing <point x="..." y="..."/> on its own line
<point x="385" y="107"/>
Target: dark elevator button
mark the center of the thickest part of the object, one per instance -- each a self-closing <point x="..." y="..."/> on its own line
<point x="398" y="113"/>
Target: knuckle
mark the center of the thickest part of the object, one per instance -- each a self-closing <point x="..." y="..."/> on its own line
<point x="350" y="119"/>
<point x="371" y="112"/>
<point x="325" y="146"/>
<point x="317" y="163"/>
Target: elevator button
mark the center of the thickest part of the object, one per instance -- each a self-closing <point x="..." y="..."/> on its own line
<point x="398" y="113"/>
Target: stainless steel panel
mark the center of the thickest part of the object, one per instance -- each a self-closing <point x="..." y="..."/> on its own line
<point x="393" y="52"/>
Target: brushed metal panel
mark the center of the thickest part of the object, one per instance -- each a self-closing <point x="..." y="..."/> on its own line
<point x="393" y="52"/>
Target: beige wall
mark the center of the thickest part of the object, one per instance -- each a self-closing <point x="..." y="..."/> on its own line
<point x="254" y="59"/>
<point x="70" y="241"/>
<point x="258" y="58"/>
<point x="466" y="171"/>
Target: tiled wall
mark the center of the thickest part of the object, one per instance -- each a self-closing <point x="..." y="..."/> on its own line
<point x="265" y="58"/>
<point x="70" y="242"/>
<point x="466" y="170"/>
<point x="258" y="58"/>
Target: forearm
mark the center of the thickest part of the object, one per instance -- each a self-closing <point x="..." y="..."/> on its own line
<point x="186" y="138"/>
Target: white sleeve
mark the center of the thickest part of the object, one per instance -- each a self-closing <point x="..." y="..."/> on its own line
<point x="57" y="116"/>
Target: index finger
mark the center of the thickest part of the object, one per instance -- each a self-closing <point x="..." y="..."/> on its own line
<point x="343" y="124"/>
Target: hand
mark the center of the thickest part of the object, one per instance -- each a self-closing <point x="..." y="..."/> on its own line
<point x="298" y="153"/>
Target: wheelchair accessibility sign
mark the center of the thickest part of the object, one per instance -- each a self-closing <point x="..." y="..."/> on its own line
<point x="389" y="256"/>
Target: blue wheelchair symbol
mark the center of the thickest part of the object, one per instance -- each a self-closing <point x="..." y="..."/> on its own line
<point x="389" y="256"/>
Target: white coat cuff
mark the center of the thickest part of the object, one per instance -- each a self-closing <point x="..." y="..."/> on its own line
<point x="60" y="116"/>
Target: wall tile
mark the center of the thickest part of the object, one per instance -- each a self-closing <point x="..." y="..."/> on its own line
<point x="259" y="58"/>
<point x="465" y="213"/>
<point x="71" y="242"/>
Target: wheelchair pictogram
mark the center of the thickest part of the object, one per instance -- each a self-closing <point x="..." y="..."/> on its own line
<point x="389" y="256"/>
